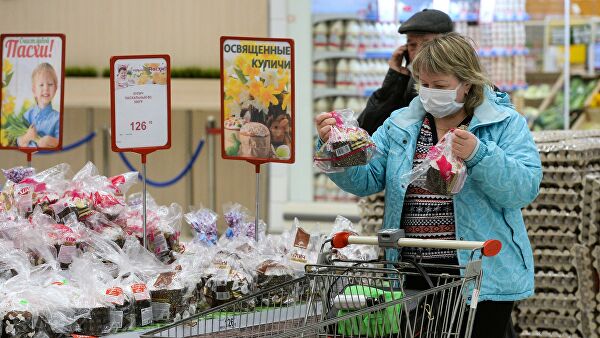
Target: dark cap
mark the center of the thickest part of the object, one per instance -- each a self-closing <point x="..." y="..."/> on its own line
<point x="427" y="21"/>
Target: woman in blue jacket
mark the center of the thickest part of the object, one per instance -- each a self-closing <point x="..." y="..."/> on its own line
<point x="503" y="165"/>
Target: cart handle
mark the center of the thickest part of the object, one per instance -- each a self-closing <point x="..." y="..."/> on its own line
<point x="489" y="248"/>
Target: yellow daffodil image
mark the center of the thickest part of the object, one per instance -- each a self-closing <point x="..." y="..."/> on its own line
<point x="6" y="66"/>
<point x="8" y="107"/>
<point x="255" y="88"/>
<point x="282" y="84"/>
<point x="232" y="108"/>
<point x="233" y="88"/>
<point x="266" y="96"/>
<point x="4" y="138"/>
<point x="286" y="101"/>
<point x="27" y="103"/>
<point x="242" y="60"/>
<point x="244" y="63"/>
<point x="271" y="78"/>
<point x="250" y="71"/>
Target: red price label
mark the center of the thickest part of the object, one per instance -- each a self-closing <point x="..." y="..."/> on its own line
<point x="116" y="291"/>
<point x="138" y="288"/>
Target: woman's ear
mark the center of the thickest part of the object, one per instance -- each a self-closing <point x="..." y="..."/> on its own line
<point x="467" y="88"/>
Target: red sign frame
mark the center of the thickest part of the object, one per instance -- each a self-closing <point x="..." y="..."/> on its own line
<point x="139" y="150"/>
<point x="29" y="150"/>
<point x="254" y="160"/>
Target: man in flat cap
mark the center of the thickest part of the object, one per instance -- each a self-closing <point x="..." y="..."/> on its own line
<point x="398" y="87"/>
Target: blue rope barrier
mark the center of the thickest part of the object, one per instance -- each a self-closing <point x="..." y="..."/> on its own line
<point x="71" y="146"/>
<point x="173" y="180"/>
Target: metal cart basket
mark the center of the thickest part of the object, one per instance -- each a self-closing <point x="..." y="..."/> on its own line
<point x="355" y="299"/>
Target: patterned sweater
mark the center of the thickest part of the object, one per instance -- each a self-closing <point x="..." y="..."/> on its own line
<point x="427" y="215"/>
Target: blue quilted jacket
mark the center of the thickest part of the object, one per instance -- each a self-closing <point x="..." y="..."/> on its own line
<point x="503" y="177"/>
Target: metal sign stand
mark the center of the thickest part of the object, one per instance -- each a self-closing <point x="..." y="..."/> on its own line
<point x="144" y="202"/>
<point x="257" y="202"/>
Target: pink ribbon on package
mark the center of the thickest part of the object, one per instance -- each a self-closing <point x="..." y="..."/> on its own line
<point x="445" y="168"/>
<point x="433" y="153"/>
<point x="338" y="119"/>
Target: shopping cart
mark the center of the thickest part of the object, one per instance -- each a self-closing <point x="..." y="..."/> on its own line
<point x="341" y="298"/>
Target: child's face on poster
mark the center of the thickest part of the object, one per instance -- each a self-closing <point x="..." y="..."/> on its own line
<point x="123" y="74"/>
<point x="44" y="89"/>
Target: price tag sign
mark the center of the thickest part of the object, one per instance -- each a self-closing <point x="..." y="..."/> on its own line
<point x="257" y="99"/>
<point x="33" y="77"/>
<point x="140" y="103"/>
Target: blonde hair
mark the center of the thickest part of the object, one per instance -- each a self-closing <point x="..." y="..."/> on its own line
<point x="453" y="54"/>
<point x="44" y="67"/>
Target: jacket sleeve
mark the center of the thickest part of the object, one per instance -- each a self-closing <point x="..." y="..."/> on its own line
<point x="370" y="178"/>
<point x="384" y="101"/>
<point x="508" y="171"/>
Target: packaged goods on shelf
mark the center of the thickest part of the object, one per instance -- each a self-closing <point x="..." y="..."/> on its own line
<point x="112" y="283"/>
<point x="549" y="114"/>
<point x="562" y="237"/>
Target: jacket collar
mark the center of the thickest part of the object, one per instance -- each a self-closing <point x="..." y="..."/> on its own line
<point x="489" y="112"/>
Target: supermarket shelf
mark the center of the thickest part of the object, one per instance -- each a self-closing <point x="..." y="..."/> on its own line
<point x="511" y="88"/>
<point x="590" y="119"/>
<point x="512" y="18"/>
<point x="369" y="92"/>
<point x="318" y="56"/>
<point x="470" y="17"/>
<point x="316" y="18"/>
<point x="319" y="93"/>
<point x="473" y="17"/>
<point x="502" y="52"/>
<point x="386" y="54"/>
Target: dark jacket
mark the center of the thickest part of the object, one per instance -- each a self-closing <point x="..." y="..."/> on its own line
<point x="396" y="92"/>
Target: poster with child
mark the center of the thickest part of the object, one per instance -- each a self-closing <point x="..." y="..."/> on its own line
<point x="32" y="91"/>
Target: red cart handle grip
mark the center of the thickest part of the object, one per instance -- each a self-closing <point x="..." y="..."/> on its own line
<point x="491" y="247"/>
<point x="340" y="239"/>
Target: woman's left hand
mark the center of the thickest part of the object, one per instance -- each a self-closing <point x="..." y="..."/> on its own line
<point x="463" y="144"/>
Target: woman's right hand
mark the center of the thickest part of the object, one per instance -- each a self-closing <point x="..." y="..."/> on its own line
<point x="323" y="122"/>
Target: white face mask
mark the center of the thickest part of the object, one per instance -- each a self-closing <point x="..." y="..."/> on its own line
<point x="440" y="102"/>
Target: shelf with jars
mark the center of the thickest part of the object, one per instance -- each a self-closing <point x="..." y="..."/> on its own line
<point x="350" y="56"/>
<point x="500" y="41"/>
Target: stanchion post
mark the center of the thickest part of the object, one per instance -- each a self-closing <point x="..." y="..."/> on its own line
<point x="90" y="127"/>
<point x="210" y="135"/>
<point x="190" y="150"/>
<point x="567" y="65"/>
<point x="144" y="191"/>
<point x="106" y="150"/>
<point x="29" y="160"/>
